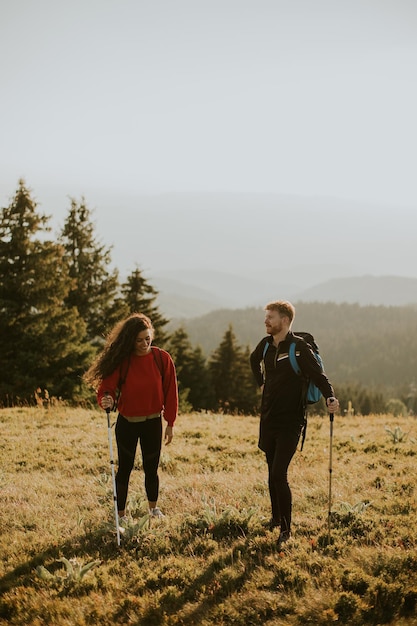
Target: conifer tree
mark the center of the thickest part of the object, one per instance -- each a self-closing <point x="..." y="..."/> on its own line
<point x="192" y="372"/>
<point x="180" y="349"/>
<point x="225" y="367"/>
<point x="138" y="296"/>
<point x="249" y="394"/>
<point x="42" y="340"/>
<point x="201" y="394"/>
<point x="94" y="286"/>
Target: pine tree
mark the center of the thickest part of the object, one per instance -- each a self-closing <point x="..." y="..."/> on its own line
<point x="94" y="287"/>
<point x="201" y="394"/>
<point x="42" y="340"/>
<point x="224" y="367"/>
<point x="138" y="296"/>
<point x="249" y="394"/>
<point x="192" y="372"/>
<point x="180" y="349"/>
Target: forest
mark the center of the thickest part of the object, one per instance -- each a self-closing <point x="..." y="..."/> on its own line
<point x="60" y="295"/>
<point x="374" y="346"/>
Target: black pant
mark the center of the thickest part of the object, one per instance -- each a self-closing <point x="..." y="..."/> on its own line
<point x="149" y="433"/>
<point x="279" y="452"/>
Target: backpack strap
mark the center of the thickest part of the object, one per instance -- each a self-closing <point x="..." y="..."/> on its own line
<point x="303" y="434"/>
<point x="294" y="364"/>
<point x="265" y="350"/>
<point x="122" y="380"/>
<point x="291" y="354"/>
<point x="159" y="362"/>
<point x="293" y="358"/>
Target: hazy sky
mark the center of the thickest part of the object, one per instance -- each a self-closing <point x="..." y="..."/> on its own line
<point x="308" y="97"/>
<point x="311" y="98"/>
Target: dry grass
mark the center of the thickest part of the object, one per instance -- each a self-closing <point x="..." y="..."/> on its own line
<point x="211" y="560"/>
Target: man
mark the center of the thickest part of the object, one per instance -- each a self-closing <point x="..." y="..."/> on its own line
<point x="283" y="404"/>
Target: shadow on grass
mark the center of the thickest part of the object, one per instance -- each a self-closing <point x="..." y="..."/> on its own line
<point x="228" y="568"/>
<point x="99" y="541"/>
<point x="201" y="594"/>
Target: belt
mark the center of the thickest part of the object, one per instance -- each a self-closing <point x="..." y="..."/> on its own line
<point x="142" y="418"/>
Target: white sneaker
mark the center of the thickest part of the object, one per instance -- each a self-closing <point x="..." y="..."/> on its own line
<point x="123" y="523"/>
<point x="156" y="512"/>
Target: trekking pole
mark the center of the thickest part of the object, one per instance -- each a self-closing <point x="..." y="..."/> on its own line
<point x="113" y="477"/>
<point x="329" y="517"/>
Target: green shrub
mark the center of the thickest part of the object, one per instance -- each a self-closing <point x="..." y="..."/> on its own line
<point x="384" y="603"/>
<point x="346" y="607"/>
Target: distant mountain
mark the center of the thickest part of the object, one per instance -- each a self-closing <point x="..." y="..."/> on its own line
<point x="199" y="292"/>
<point x="189" y="293"/>
<point x="184" y="300"/>
<point x="244" y="249"/>
<point x="363" y="290"/>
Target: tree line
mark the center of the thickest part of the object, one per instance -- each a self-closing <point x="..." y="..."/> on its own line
<point x="59" y="297"/>
<point x="369" y="352"/>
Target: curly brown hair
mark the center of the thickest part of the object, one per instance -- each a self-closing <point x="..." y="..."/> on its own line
<point x="120" y="344"/>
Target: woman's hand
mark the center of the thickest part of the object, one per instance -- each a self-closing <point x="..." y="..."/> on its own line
<point x="169" y="433"/>
<point x="107" y="402"/>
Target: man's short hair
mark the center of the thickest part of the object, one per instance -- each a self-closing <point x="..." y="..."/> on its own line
<point x="284" y="308"/>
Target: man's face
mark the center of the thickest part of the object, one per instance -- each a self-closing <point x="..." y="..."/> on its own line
<point x="273" y="322"/>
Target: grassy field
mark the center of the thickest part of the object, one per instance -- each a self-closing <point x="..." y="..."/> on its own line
<point x="212" y="560"/>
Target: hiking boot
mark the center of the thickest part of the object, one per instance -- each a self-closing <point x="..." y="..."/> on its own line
<point x="156" y="512"/>
<point x="283" y="538"/>
<point x="273" y="524"/>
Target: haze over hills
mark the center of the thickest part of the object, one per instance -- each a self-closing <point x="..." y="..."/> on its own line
<point x="205" y="251"/>
<point x="198" y="293"/>
<point x="260" y="235"/>
<point x="289" y="143"/>
<point x="364" y="290"/>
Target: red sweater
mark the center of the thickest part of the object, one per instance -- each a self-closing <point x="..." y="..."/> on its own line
<point x="143" y="392"/>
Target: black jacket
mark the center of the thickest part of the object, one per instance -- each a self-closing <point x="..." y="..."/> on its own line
<point x="282" y="399"/>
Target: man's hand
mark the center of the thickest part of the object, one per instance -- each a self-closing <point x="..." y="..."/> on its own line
<point x="332" y="405"/>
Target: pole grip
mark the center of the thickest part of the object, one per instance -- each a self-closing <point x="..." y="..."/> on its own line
<point x="107" y="394"/>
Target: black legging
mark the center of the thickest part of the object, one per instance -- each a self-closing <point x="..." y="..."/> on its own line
<point x="278" y="456"/>
<point x="149" y="433"/>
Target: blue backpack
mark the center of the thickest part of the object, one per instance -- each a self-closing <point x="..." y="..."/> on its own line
<point x="312" y="393"/>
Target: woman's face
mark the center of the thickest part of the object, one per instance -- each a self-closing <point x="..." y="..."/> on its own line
<point x="143" y="342"/>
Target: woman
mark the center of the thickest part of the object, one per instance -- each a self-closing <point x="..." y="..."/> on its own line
<point x="140" y="381"/>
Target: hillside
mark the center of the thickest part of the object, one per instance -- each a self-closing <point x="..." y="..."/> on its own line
<point x="371" y="345"/>
<point x="191" y="293"/>
<point x="364" y="290"/>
